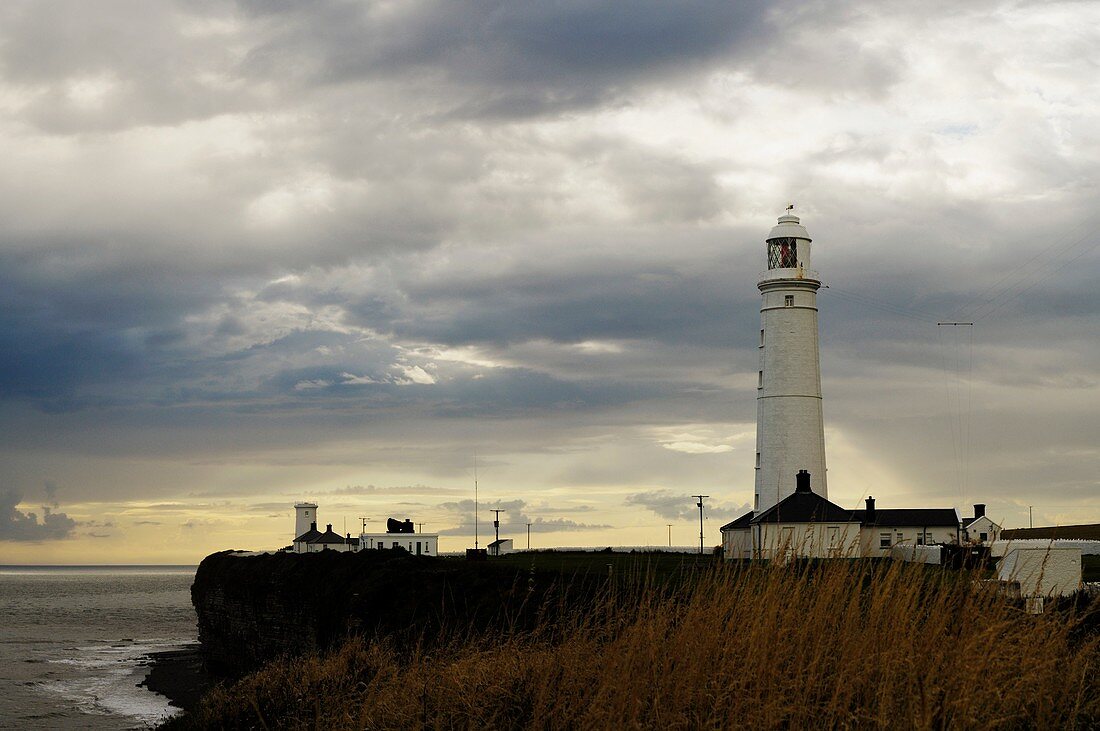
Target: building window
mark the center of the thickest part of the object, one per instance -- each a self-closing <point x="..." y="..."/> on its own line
<point x="761" y="337"/>
<point x="760" y="379"/>
<point x="782" y="253"/>
<point x="756" y="502"/>
<point x="983" y="537"/>
<point x="883" y="540"/>
<point x="788" y="300"/>
<point x="758" y="460"/>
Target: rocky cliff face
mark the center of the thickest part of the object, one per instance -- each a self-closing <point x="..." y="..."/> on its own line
<point x="252" y="609"/>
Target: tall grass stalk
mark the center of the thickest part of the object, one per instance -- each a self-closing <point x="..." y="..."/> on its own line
<point x="842" y="644"/>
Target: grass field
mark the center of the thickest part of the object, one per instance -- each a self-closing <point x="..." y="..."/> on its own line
<point x="850" y="644"/>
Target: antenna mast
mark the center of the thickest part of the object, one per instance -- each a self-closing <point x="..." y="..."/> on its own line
<point x="496" y="521"/>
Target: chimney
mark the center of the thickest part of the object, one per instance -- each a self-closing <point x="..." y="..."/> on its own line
<point x="979" y="510"/>
<point x="328" y="528"/>
<point x="313" y="525"/>
<point x="869" y="516"/>
<point x="802" y="482"/>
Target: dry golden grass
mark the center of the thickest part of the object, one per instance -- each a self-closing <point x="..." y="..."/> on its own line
<point x="846" y="644"/>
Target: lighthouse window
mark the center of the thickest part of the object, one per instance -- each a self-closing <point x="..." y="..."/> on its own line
<point x="760" y="379"/>
<point x="782" y="253"/>
<point x="788" y="300"/>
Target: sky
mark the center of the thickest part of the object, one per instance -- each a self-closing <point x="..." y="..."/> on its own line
<point x="259" y="252"/>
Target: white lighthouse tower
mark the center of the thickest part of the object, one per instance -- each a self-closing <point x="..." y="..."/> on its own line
<point x="790" y="434"/>
<point x="305" y="513"/>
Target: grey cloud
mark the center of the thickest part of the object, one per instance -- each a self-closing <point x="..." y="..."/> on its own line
<point x="512" y="522"/>
<point x="682" y="507"/>
<point x="15" y="525"/>
<point x="510" y="59"/>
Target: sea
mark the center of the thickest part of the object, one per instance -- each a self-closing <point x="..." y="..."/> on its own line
<point x="75" y="642"/>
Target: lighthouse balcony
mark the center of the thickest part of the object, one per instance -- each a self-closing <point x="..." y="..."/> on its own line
<point x="790" y="273"/>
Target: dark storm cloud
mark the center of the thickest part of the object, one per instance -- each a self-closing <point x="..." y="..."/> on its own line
<point x="15" y="525"/>
<point x="513" y="59"/>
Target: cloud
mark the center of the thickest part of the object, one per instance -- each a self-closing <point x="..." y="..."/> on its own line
<point x="680" y="507"/>
<point x="513" y="520"/>
<point x="16" y="525"/>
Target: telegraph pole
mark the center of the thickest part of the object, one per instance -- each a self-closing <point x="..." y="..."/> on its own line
<point x="669" y="534"/>
<point x="496" y="521"/>
<point x="528" y="536"/>
<point x="700" y="504"/>
<point x="420" y="527"/>
<point x="475" y="499"/>
<point x="1030" y="522"/>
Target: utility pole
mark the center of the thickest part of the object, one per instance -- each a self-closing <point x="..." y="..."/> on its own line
<point x="475" y="499"/>
<point x="528" y="536"/>
<point x="420" y="527"/>
<point x="700" y="504"/>
<point x="669" y="534"/>
<point x="496" y="521"/>
<point x="1030" y="522"/>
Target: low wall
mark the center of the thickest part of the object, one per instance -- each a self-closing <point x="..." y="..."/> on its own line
<point x="917" y="554"/>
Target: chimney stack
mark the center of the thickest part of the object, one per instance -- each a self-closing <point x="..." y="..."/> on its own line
<point x="328" y="528"/>
<point x="979" y="510"/>
<point x="802" y="482"/>
<point x="870" y="514"/>
<point x="313" y="525"/>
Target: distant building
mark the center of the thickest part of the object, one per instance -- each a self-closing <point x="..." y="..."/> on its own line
<point x="314" y="540"/>
<point x="881" y="530"/>
<point x="399" y="535"/>
<point x="500" y="547"/>
<point x="807" y="525"/>
<point x="1047" y="571"/>
<point x="979" y="528"/>
<point x="788" y="518"/>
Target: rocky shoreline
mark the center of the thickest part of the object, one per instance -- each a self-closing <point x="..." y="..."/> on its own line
<point x="178" y="675"/>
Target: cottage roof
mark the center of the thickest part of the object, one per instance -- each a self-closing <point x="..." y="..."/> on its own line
<point x="500" y="541"/>
<point x="804" y="507"/>
<point x="308" y="536"/>
<point x="912" y="517"/>
<point x="329" y="537"/>
<point x="739" y="523"/>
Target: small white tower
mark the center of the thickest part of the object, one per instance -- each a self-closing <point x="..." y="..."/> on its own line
<point x="305" y="513"/>
<point x="790" y="434"/>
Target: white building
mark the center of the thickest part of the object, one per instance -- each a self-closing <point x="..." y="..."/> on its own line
<point x="882" y="530"/>
<point x="418" y="544"/>
<point x="500" y="546"/>
<point x="305" y="515"/>
<point x="313" y="541"/>
<point x="807" y="525"/>
<point x="1042" y="571"/>
<point x="979" y="528"/>
<point x="790" y="434"/>
<point x="400" y="535"/>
